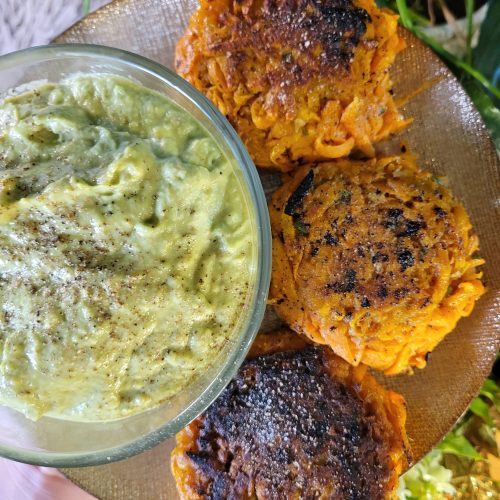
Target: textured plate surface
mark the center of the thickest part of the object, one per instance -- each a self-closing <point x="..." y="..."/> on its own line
<point x="450" y="139"/>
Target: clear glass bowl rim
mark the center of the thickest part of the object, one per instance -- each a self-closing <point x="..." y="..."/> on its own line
<point x="263" y="271"/>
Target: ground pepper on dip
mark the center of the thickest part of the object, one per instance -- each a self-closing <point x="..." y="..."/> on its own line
<point x="126" y="249"/>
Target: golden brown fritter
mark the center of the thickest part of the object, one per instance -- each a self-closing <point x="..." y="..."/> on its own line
<point x="300" y="80"/>
<point x="295" y="424"/>
<point x="374" y="258"/>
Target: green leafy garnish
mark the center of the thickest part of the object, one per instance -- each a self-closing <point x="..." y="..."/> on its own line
<point x="345" y="197"/>
<point x="301" y="226"/>
<point x="458" y="445"/>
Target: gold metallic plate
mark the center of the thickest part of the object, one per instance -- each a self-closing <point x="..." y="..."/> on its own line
<point x="450" y="139"/>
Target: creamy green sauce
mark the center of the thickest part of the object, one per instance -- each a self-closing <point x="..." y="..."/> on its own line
<point x="126" y="249"/>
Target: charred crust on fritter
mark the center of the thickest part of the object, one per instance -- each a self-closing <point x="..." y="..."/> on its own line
<point x="297" y="197"/>
<point x="301" y="38"/>
<point x="405" y="259"/>
<point x="330" y="239"/>
<point x="346" y="285"/>
<point x="401" y="225"/>
<point x="284" y="427"/>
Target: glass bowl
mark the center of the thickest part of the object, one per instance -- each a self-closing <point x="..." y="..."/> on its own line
<point x="63" y="443"/>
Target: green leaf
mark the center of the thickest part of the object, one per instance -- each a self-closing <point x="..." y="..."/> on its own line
<point x="407" y="20"/>
<point x="469" y="12"/>
<point x="456" y="61"/>
<point x="489" y="112"/>
<point x="459" y="446"/>
<point x="491" y="391"/>
<point x="487" y="434"/>
<point x="404" y="12"/>
<point x="414" y="16"/>
<point x="86" y="7"/>
<point x="482" y="410"/>
<point x="487" y="51"/>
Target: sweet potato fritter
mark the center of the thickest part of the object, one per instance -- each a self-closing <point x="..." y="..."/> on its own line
<point x="374" y="258"/>
<point x="298" y="79"/>
<point x="295" y="424"/>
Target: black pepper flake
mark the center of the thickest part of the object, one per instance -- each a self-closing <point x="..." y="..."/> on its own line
<point x="440" y="212"/>
<point x="406" y="260"/>
<point x="425" y="303"/>
<point x="401" y="293"/>
<point x="349" y="219"/>
<point x="314" y="251"/>
<point x="297" y="197"/>
<point x="411" y="228"/>
<point x="330" y="239"/>
<point x="382" y="292"/>
<point x="348" y="284"/>
<point x="393" y="216"/>
<point x="395" y="213"/>
<point x="380" y="257"/>
<point x="365" y="302"/>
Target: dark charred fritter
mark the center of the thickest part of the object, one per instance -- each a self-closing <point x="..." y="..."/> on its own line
<point x="299" y="79"/>
<point x="288" y="427"/>
<point x="301" y="26"/>
<point x="374" y="258"/>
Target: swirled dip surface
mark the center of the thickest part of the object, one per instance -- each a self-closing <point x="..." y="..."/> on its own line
<point x="125" y="249"/>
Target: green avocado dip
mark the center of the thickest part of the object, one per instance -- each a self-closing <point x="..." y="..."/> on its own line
<point x="127" y="249"/>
